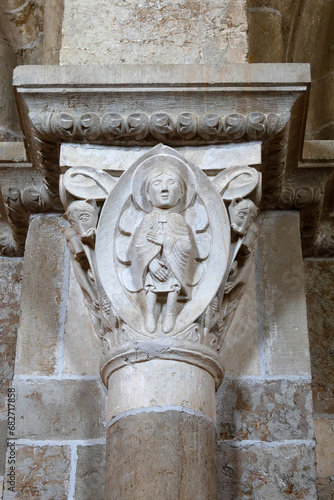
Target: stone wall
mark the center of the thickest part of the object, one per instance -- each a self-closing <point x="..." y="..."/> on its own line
<point x="320" y="299"/>
<point x="163" y="32"/>
<point x="10" y="288"/>
<point x="264" y="406"/>
<point x="60" y="400"/>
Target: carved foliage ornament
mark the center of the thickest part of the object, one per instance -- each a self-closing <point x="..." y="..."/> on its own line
<point x="118" y="128"/>
<point x="164" y="250"/>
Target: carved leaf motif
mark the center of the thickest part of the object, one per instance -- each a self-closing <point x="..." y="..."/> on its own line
<point x="31" y="199"/>
<point x="138" y="126"/>
<point x="113" y="125"/>
<point x="272" y="121"/>
<point x="256" y="125"/>
<point x="161" y="126"/>
<point x="235" y="126"/>
<point x="63" y="125"/>
<point x="210" y="126"/>
<point x="89" y="126"/>
<point x="42" y="125"/>
<point x="186" y="125"/>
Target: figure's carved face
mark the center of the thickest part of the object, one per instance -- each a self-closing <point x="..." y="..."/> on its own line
<point x="242" y="215"/>
<point x="82" y="218"/>
<point x="164" y="190"/>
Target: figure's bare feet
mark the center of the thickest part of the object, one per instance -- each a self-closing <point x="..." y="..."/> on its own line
<point x="169" y="323"/>
<point x="151" y="324"/>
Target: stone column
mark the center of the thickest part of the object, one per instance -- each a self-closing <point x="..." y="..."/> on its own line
<point x="162" y="267"/>
<point x="161" y="434"/>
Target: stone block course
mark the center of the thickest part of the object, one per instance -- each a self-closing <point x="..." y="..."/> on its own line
<point x="82" y="348"/>
<point x="283" y="471"/>
<point x="264" y="410"/>
<point x="182" y="32"/>
<point x="3" y="445"/>
<point x="45" y="281"/>
<point x="325" y="489"/>
<point x="281" y="295"/>
<point x="320" y="317"/>
<point x="41" y="473"/>
<point x="240" y="352"/>
<point x="90" y="474"/>
<point x="10" y="289"/>
<point x="324" y="435"/>
<point x="66" y="409"/>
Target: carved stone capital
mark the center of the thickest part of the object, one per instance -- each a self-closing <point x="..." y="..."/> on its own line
<point x="162" y="255"/>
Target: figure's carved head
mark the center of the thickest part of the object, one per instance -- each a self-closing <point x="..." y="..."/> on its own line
<point x="164" y="187"/>
<point x="242" y="214"/>
<point x="82" y="215"/>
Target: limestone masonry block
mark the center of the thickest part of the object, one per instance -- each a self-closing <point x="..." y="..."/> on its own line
<point x="266" y="473"/>
<point x="148" y="32"/>
<point x="67" y="409"/>
<point x="90" y="476"/>
<point x="42" y="472"/>
<point x="281" y="295"/>
<point x="10" y="290"/>
<point x="45" y="281"/>
<point x="3" y="445"/>
<point x="82" y="349"/>
<point x="320" y="316"/>
<point x="265" y="411"/>
<point x="324" y="434"/>
<point x="240" y="353"/>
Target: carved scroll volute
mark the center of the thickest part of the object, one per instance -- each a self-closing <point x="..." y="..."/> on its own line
<point x="163" y="254"/>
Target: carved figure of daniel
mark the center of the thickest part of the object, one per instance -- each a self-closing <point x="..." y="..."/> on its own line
<point x="163" y="246"/>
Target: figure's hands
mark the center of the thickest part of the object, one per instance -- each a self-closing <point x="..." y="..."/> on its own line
<point x="158" y="269"/>
<point x="228" y="287"/>
<point x="154" y="238"/>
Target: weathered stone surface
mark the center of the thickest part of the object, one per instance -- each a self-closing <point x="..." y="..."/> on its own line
<point x="181" y="32"/>
<point x="82" y="348"/>
<point x="240" y="352"/>
<point x="324" y="435"/>
<point x="281" y="295"/>
<point x="3" y="445"/>
<point x="320" y="316"/>
<point x="41" y="472"/>
<point x="10" y="289"/>
<point x="265" y="411"/>
<point x="266" y="473"/>
<point x="90" y="476"/>
<point x="45" y="281"/>
<point x="265" y="36"/>
<point x="161" y="455"/>
<point x="67" y="409"/>
<point x="325" y="489"/>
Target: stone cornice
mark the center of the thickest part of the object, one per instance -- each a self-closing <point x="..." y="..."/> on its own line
<point x="137" y="105"/>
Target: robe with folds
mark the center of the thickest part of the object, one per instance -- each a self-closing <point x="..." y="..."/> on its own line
<point x="175" y="253"/>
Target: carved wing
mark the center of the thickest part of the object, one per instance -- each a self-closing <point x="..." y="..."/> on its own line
<point x="85" y="183"/>
<point x="239" y="182"/>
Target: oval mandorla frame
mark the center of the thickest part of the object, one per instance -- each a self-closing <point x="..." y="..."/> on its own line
<point x="201" y="200"/>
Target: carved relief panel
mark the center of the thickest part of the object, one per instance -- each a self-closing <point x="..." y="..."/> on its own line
<point x="163" y="251"/>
